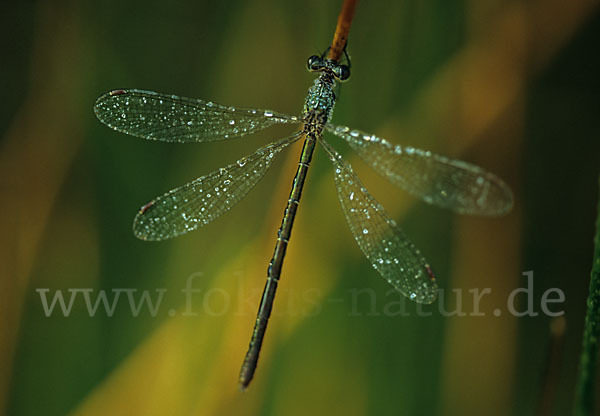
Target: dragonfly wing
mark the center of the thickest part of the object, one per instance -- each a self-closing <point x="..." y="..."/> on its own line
<point x="169" y="118"/>
<point x="438" y="180"/>
<point x="385" y="245"/>
<point x="199" y="202"/>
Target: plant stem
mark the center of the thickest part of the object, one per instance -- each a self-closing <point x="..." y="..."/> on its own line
<point x="341" y="31"/>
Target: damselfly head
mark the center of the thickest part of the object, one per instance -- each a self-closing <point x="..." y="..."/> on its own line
<point x="317" y="64"/>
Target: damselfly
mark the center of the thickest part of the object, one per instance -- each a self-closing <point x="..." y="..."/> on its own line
<point x="452" y="184"/>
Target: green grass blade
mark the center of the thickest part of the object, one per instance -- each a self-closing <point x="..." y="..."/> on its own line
<point x="584" y="399"/>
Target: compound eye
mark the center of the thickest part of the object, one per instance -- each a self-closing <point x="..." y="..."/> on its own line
<point x="342" y="72"/>
<point x="314" y="63"/>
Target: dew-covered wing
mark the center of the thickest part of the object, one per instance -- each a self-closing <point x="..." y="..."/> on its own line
<point x="385" y="245"/>
<point x="438" y="180"/>
<point x="199" y="202"/>
<point x="170" y="118"/>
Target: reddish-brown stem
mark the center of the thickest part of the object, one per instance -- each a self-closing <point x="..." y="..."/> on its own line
<point x="341" y="31"/>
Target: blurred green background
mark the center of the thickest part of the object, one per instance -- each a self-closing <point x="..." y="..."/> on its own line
<point x="510" y="85"/>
